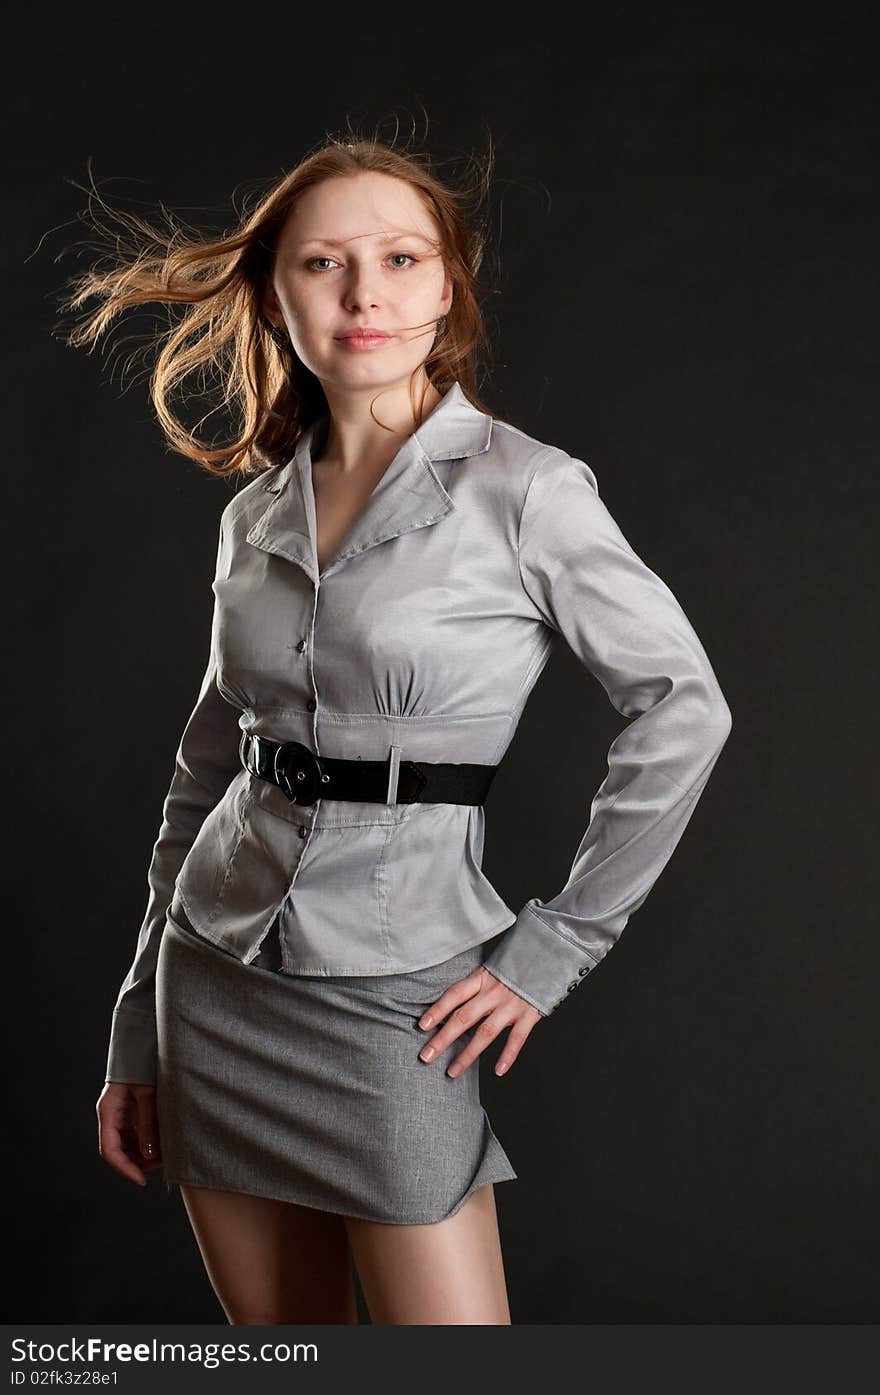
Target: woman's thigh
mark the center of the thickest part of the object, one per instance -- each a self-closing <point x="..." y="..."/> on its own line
<point x="271" y="1261"/>
<point x="448" y="1272"/>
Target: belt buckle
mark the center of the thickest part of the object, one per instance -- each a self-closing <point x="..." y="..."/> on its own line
<point x="297" y="771"/>
<point x="249" y="746"/>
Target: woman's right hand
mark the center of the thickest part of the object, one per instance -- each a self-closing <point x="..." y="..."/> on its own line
<point x="128" y="1129"/>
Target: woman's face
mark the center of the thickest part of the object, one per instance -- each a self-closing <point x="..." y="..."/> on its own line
<point x="354" y="252"/>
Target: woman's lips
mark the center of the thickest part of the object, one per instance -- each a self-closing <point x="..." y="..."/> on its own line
<point x="364" y="341"/>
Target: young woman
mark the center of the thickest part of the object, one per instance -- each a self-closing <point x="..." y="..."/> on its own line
<point x="299" y="1036"/>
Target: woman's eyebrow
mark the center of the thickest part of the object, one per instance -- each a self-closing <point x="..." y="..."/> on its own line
<point x="387" y="237"/>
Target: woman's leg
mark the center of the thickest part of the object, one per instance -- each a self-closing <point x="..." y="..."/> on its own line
<point x="449" y="1272"/>
<point x="270" y="1261"/>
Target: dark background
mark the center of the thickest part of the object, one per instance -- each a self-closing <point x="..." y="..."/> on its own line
<point x="686" y="228"/>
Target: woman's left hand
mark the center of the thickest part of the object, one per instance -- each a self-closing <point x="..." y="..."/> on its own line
<point x="478" y="995"/>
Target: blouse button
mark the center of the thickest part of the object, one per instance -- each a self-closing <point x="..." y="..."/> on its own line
<point x="311" y="705"/>
<point x="303" y="831"/>
<point x="301" y="646"/>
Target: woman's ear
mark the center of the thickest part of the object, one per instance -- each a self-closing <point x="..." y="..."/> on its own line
<point x="272" y="308"/>
<point x="446" y="303"/>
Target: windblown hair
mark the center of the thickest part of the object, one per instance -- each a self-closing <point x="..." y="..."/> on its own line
<point x="223" y="332"/>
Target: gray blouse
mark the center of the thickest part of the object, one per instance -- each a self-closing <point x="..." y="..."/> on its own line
<point x="421" y="639"/>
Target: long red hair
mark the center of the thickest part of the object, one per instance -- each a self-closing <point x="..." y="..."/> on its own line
<point x="223" y="335"/>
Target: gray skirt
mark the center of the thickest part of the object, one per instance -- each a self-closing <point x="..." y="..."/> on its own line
<point x="311" y="1090"/>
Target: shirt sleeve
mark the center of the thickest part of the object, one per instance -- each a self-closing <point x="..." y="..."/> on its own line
<point x="627" y="628"/>
<point x="206" y="760"/>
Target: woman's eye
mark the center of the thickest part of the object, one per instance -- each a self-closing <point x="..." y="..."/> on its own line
<point x="406" y="255"/>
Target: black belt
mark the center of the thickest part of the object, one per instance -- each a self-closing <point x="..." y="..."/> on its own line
<point x="305" y="777"/>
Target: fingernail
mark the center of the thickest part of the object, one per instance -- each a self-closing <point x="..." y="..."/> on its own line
<point x="427" y="1053"/>
<point x="426" y="1021"/>
<point x="501" y="1068"/>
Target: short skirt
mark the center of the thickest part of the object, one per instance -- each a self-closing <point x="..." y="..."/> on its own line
<point x="311" y="1090"/>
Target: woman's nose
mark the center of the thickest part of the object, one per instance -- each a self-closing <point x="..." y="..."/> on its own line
<point x="361" y="291"/>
